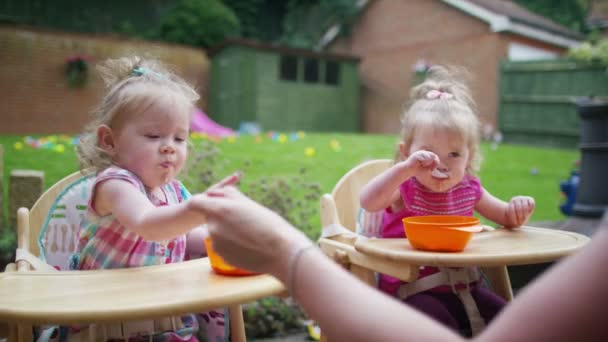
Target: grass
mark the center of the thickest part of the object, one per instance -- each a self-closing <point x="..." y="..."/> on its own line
<point x="506" y="171"/>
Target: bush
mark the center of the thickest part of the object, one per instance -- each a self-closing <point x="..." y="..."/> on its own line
<point x="8" y="244"/>
<point x="291" y="197"/>
<point x="271" y="317"/>
<point x="201" y="23"/>
<point x="591" y="53"/>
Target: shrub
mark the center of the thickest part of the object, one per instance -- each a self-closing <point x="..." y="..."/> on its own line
<point x="8" y="244"/>
<point x="200" y="23"/>
<point x="591" y="53"/>
<point x="290" y="196"/>
<point x="272" y="316"/>
<point x="76" y="70"/>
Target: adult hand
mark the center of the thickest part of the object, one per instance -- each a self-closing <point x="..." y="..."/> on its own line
<point x="247" y="234"/>
<point x="519" y="210"/>
<point x="230" y="180"/>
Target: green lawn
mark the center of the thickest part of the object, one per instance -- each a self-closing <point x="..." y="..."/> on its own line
<point x="506" y="171"/>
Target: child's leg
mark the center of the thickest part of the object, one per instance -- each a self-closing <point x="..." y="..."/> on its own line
<point x="443" y="307"/>
<point x="489" y="303"/>
<point x="214" y="326"/>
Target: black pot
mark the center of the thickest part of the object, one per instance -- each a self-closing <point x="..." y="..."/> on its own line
<point x="592" y="193"/>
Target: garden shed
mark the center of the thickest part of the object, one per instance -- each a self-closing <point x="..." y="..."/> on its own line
<point x="282" y="88"/>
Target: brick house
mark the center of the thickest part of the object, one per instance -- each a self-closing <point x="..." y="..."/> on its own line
<point x="391" y="36"/>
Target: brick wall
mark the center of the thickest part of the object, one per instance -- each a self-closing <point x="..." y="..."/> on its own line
<point x="35" y="96"/>
<point x="390" y="36"/>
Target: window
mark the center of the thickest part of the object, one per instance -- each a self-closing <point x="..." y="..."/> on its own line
<point x="315" y="70"/>
<point x="332" y="73"/>
<point x="289" y="68"/>
<point x="311" y="70"/>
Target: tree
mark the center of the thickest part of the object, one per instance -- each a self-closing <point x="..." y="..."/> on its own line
<point x="307" y="20"/>
<point x="260" y="19"/>
<point x="201" y="23"/>
<point x="570" y="13"/>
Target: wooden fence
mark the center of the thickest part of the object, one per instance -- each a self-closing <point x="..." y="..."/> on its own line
<point x="537" y="100"/>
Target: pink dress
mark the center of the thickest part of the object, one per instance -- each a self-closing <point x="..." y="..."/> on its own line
<point x="420" y="201"/>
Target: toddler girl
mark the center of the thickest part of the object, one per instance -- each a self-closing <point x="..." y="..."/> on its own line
<point x="434" y="174"/>
<point x="138" y="213"/>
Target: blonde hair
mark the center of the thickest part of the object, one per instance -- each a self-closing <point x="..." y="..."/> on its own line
<point x="444" y="100"/>
<point x="133" y="85"/>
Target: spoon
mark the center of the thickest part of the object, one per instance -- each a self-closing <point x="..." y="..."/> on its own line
<point x="438" y="174"/>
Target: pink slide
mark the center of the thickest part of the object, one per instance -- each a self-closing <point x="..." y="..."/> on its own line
<point x="203" y="124"/>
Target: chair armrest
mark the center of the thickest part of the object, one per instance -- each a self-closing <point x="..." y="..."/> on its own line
<point x="12" y="267"/>
<point x="23" y="236"/>
<point x="329" y="211"/>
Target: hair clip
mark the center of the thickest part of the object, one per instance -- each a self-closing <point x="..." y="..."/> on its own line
<point x="438" y="94"/>
<point x="140" y="71"/>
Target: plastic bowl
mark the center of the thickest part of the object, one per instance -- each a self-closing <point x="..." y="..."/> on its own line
<point x="220" y="266"/>
<point x="440" y="233"/>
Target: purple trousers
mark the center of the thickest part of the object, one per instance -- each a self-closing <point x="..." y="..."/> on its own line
<point x="448" y="309"/>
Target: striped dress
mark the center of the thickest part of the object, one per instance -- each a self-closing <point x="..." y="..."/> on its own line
<point x="461" y="200"/>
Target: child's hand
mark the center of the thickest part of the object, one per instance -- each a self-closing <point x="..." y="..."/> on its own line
<point x="519" y="210"/>
<point x="422" y="161"/>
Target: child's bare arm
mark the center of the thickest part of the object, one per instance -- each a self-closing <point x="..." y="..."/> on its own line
<point x="380" y="192"/>
<point x="383" y="190"/>
<point x="512" y="214"/>
<point x="135" y="211"/>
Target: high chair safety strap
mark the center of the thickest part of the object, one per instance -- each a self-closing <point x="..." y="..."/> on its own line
<point x="451" y="277"/>
<point x="37" y="264"/>
<point x="475" y="320"/>
<point x="445" y="276"/>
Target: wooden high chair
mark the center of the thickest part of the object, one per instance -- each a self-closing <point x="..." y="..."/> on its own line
<point x="29" y="225"/>
<point x="341" y="208"/>
<point x="491" y="250"/>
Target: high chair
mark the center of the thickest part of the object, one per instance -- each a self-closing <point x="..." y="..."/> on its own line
<point x="47" y="236"/>
<point x="340" y="216"/>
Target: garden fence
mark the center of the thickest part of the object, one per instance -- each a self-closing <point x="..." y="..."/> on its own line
<point x="537" y="100"/>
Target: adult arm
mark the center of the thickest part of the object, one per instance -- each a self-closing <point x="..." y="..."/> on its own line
<point x="568" y="303"/>
<point x="253" y="237"/>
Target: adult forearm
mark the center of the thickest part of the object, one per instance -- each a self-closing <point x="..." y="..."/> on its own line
<point x="567" y="303"/>
<point x="349" y="310"/>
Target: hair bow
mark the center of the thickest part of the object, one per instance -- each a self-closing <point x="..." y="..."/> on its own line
<point x="140" y="71"/>
<point x="438" y="94"/>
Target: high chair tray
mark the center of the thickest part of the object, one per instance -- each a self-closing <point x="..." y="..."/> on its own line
<point x="125" y="294"/>
<point x="525" y="245"/>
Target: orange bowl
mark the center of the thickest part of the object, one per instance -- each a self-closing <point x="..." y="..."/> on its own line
<point x="440" y="233"/>
<point x="220" y="266"/>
